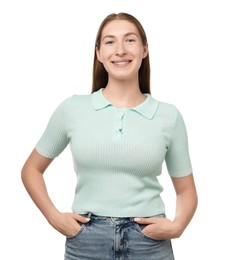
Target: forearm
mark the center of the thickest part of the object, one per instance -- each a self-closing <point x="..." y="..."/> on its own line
<point x="186" y="204"/>
<point x="34" y="183"/>
<point x="65" y="223"/>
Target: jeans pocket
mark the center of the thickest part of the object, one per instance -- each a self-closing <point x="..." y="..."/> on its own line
<point x="140" y="228"/>
<point x="82" y="227"/>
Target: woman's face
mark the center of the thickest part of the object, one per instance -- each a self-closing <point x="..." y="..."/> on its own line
<point x="121" y="50"/>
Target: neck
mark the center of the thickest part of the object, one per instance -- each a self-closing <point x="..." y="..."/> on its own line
<point x="123" y="94"/>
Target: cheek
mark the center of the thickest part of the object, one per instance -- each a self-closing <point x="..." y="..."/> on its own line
<point x="100" y="55"/>
<point x="105" y="53"/>
<point x="139" y="56"/>
<point x="137" y="52"/>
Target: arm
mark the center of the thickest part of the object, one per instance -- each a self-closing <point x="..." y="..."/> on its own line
<point x="32" y="177"/>
<point x="186" y="204"/>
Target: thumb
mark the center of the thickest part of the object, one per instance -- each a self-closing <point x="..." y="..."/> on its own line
<point x="144" y="220"/>
<point x="80" y="218"/>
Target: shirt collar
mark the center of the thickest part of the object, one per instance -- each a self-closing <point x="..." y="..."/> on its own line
<point x="147" y="108"/>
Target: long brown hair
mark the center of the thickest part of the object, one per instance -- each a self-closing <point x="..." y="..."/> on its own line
<point x="100" y="75"/>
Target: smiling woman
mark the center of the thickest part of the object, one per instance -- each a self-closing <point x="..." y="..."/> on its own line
<point x="100" y="75"/>
<point x="119" y="137"/>
<point x="121" y="51"/>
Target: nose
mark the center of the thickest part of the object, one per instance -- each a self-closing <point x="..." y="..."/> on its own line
<point x="120" y="50"/>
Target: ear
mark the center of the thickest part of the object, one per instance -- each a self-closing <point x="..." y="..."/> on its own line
<point x="145" y="51"/>
<point x="98" y="55"/>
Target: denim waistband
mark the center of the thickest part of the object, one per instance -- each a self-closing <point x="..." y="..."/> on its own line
<point x="96" y="217"/>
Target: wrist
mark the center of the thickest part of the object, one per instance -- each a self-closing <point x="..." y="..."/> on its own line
<point x="52" y="215"/>
<point x="178" y="229"/>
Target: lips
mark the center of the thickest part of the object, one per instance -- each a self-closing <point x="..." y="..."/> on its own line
<point x="121" y="63"/>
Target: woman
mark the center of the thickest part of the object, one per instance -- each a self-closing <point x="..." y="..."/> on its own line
<point x="119" y="137"/>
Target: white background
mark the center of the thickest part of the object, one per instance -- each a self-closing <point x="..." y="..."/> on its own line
<point x="46" y="55"/>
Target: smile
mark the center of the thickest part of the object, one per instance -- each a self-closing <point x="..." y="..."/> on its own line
<point x="121" y="63"/>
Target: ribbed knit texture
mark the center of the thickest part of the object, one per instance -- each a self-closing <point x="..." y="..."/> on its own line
<point x="118" y="153"/>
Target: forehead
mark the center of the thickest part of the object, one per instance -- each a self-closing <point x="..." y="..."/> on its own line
<point x="118" y="28"/>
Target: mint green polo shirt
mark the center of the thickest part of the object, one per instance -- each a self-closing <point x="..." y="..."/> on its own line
<point x="118" y="153"/>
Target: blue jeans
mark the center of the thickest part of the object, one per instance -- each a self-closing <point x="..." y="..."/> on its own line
<point x="109" y="238"/>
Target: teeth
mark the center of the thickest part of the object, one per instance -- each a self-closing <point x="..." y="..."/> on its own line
<point x="121" y="62"/>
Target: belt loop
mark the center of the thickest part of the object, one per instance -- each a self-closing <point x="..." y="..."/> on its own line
<point x="89" y="215"/>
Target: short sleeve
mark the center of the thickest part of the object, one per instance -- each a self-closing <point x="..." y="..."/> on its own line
<point x="177" y="157"/>
<point x="55" y="137"/>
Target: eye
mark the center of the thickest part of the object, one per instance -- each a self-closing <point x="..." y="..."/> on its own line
<point x="109" y="42"/>
<point x="130" y="40"/>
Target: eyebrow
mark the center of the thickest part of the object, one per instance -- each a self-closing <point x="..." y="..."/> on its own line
<point x="125" y="35"/>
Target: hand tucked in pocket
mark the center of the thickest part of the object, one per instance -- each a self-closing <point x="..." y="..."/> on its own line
<point x="160" y="228"/>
